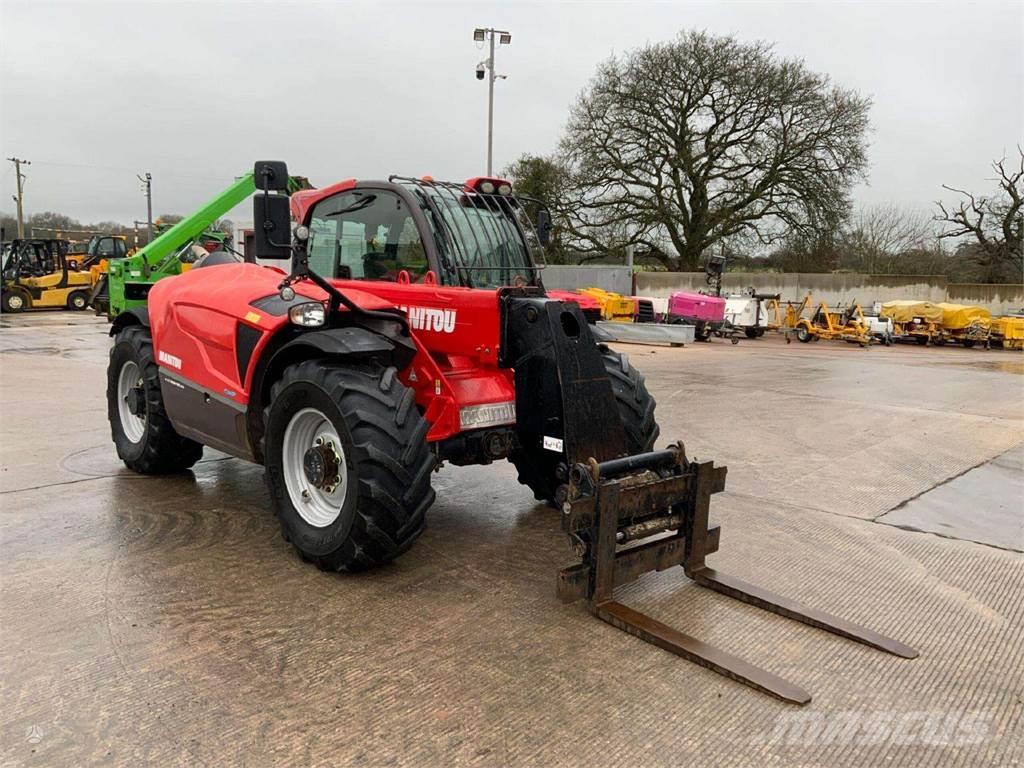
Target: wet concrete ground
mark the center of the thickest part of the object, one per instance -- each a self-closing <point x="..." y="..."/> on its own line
<point x="163" y="621"/>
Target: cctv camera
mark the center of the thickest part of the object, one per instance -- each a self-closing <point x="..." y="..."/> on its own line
<point x="480" y="71"/>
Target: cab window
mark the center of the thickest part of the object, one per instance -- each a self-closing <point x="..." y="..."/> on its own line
<point x="365" y="235"/>
<point x="110" y="248"/>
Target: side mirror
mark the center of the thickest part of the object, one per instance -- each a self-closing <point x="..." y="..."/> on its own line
<point x="272" y="219"/>
<point x="272" y="210"/>
<point x="543" y="226"/>
<point x="271" y="175"/>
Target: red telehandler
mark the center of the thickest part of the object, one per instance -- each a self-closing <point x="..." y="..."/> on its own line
<point x="412" y="329"/>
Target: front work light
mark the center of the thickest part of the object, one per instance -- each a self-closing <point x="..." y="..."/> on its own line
<point x="487" y="187"/>
<point x="310" y="314"/>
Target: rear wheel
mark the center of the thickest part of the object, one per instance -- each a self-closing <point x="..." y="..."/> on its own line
<point x="78" y="300"/>
<point x="348" y="465"/>
<point x="145" y="439"/>
<point x="537" y="467"/>
<point x="751" y="333"/>
<point x="803" y="334"/>
<point x="16" y="301"/>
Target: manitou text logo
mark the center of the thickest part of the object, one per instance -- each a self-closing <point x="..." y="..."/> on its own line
<point x="429" y="319"/>
<point x="169" y="359"/>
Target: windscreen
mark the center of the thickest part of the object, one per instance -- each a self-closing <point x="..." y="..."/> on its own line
<point x="485" y="238"/>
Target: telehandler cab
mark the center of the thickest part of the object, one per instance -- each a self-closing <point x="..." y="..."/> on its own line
<point x="413" y="329"/>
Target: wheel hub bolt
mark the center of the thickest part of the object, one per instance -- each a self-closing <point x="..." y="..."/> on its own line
<point x="322" y="466"/>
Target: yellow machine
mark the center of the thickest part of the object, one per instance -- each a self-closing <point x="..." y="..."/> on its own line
<point x="832" y="325"/>
<point x="918" y="321"/>
<point x="96" y="252"/>
<point x="1008" y="332"/>
<point x="964" y="324"/>
<point x="614" y="306"/>
<point x="36" y="276"/>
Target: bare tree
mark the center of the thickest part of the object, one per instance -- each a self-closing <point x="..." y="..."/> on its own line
<point x="877" y="237"/>
<point x="678" y="145"/>
<point x="994" y="222"/>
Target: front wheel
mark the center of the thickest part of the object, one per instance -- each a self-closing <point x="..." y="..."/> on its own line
<point x="538" y="467"/>
<point x="16" y="301"/>
<point x="348" y="465"/>
<point x="144" y="436"/>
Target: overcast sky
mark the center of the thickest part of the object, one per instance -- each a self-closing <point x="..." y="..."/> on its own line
<point x="94" y="92"/>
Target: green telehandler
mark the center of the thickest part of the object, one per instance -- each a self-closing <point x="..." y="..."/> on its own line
<point x="127" y="282"/>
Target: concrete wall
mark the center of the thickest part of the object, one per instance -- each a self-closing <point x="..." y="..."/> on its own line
<point x="570" y="278"/>
<point x="836" y="288"/>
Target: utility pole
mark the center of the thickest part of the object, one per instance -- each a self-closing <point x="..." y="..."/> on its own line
<point x="19" y="199"/>
<point x="486" y="67"/>
<point x="147" y="187"/>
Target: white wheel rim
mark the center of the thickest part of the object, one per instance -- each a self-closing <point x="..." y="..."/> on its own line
<point x="15" y="302"/>
<point x="78" y="301"/>
<point x="128" y="379"/>
<point x="309" y="429"/>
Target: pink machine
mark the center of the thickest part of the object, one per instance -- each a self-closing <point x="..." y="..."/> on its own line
<point x="707" y="313"/>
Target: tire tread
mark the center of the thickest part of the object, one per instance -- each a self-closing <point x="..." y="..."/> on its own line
<point x="392" y="457"/>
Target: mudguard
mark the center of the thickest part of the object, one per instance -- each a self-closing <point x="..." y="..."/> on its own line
<point x="351" y="342"/>
<point x="134" y="316"/>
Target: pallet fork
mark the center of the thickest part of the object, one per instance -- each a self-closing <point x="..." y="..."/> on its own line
<point x="662" y="500"/>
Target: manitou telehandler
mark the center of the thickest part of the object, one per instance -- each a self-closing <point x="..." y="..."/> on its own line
<point x="412" y="329"/>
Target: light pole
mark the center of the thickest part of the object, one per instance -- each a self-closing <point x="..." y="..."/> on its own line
<point x="486" y="68"/>
<point x="20" y="199"/>
<point x="147" y="189"/>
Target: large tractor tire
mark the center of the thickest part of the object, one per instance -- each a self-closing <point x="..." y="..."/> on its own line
<point x="348" y="465"/>
<point x="537" y="467"/>
<point x="145" y="439"/>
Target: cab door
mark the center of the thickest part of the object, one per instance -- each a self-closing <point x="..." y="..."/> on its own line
<point x="369" y="233"/>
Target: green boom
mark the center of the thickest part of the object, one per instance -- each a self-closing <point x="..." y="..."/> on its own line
<point x="130" y="279"/>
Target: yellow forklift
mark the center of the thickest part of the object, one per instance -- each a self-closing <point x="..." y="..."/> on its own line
<point x="36" y="276"/>
<point x="96" y="252"/>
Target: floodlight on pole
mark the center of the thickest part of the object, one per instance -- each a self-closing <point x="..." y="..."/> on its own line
<point x="481" y="34"/>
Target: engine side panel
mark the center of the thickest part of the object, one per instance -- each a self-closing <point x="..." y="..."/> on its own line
<point x="195" y="319"/>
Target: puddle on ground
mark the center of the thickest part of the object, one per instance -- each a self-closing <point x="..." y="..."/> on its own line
<point x="34" y="350"/>
<point x="999" y="366"/>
